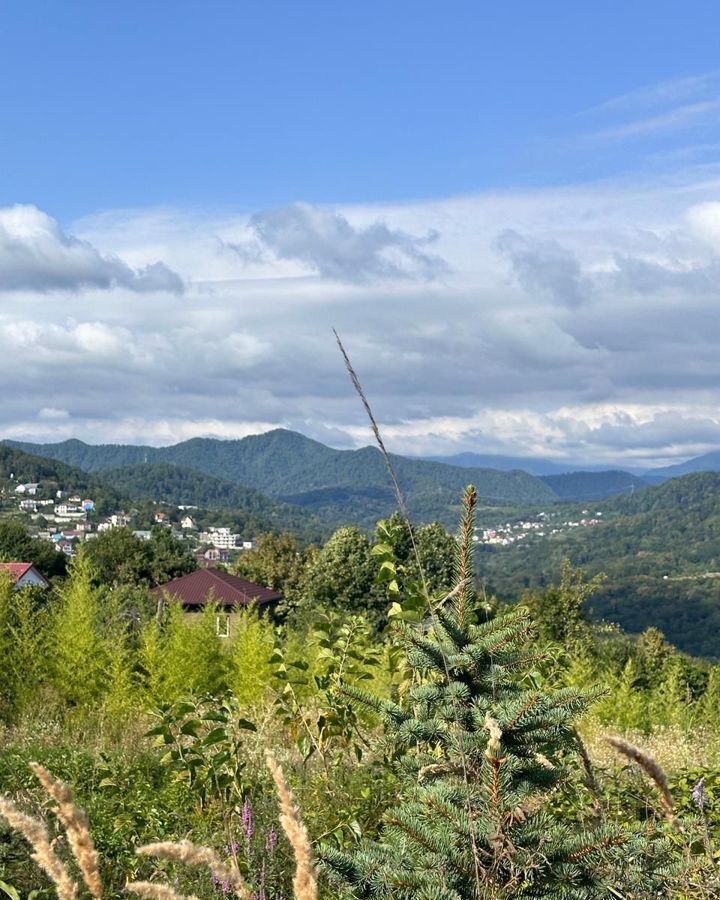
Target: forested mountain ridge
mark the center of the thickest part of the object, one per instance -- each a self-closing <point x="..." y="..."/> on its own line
<point x="88" y="457"/>
<point x="593" y="485"/>
<point x="342" y="484"/>
<point x="175" y="485"/>
<point x="660" y="549"/>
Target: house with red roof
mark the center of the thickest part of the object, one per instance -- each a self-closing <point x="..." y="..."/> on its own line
<point x="24" y="574"/>
<point x="231" y="594"/>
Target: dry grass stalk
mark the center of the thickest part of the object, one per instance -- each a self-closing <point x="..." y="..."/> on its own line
<point x="193" y="855"/>
<point x="651" y="768"/>
<point x="76" y="826"/>
<point x="154" y="891"/>
<point x="36" y="834"/>
<point x="304" y="882"/>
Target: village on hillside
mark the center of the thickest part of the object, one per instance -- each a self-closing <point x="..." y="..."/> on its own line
<point x="66" y="519"/>
<point x="544" y="524"/>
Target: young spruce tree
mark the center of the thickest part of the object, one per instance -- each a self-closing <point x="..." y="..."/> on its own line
<point x="478" y="750"/>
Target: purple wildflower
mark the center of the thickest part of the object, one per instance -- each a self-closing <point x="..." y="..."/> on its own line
<point x="699" y="795"/>
<point x="272" y="839"/>
<point x="248" y="821"/>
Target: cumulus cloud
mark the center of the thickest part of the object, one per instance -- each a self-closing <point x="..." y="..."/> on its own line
<point x="325" y="241"/>
<point x="546" y="266"/>
<point x="37" y="255"/>
<point x="601" y="348"/>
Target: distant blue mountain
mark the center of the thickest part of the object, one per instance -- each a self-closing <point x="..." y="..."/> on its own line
<point x="531" y="464"/>
<point x="708" y="462"/>
<point x="583" y="486"/>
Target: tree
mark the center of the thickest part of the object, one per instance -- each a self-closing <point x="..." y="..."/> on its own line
<point x="16" y="545"/>
<point x="477" y="751"/>
<point x="169" y="558"/>
<point x="559" y="613"/>
<point x="79" y="652"/>
<point x="118" y="557"/>
<point x="435" y="546"/>
<point x="23" y="650"/>
<point x="276" y="562"/>
<point x="342" y="576"/>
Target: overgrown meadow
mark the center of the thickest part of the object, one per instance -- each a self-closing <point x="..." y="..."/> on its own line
<point x="438" y="742"/>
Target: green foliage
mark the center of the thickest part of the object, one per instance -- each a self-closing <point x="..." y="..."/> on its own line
<point x="23" y="649"/>
<point x="175" y="485"/>
<point x="345" y="653"/>
<point x="252" y="642"/>
<point x="182" y="654"/>
<point x="660" y="551"/>
<point x="341" y="577"/>
<point x="120" y="558"/>
<point x="16" y="545"/>
<point x="79" y="650"/>
<point x="478" y="750"/>
<point x="203" y="743"/>
<point x="591" y="486"/>
<point x="276" y="562"/>
<point x="559" y="613"/>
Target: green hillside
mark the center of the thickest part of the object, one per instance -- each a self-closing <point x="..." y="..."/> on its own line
<point x="89" y="457"/>
<point x="593" y="485"/>
<point x="19" y="467"/>
<point x="660" y="549"/>
<point x="340" y="485"/>
<point x="175" y="485"/>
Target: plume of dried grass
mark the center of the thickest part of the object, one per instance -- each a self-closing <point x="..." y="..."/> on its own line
<point x="76" y="827"/>
<point x="304" y="882"/>
<point x="154" y="891"/>
<point x="190" y="854"/>
<point x="651" y="768"/>
<point x="36" y="834"/>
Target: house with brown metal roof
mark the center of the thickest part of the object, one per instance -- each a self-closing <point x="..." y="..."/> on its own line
<point x="231" y="594"/>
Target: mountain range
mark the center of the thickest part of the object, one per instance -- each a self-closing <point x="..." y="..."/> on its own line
<point x="337" y="485"/>
<point x="708" y="462"/>
<point x="348" y="485"/>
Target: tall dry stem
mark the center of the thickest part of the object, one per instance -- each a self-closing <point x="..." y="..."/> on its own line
<point x="190" y="854"/>
<point x="76" y="827"/>
<point x="153" y="891"/>
<point x="304" y="882"/>
<point x="651" y="768"/>
<point x="36" y="834"/>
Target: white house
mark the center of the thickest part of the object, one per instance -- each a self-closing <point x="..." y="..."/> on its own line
<point x="29" y="489"/>
<point x="24" y="575"/>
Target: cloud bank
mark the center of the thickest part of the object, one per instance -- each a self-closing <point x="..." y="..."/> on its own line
<point x="578" y="323"/>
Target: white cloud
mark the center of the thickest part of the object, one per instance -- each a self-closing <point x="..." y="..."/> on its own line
<point x="325" y="241"/>
<point x="37" y="255"/>
<point x="578" y="322"/>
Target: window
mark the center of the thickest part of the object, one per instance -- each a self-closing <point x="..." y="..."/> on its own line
<point x="222" y="625"/>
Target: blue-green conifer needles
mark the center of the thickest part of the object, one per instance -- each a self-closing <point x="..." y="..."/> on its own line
<point x="479" y="752"/>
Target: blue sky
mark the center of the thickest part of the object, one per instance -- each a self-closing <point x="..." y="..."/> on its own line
<point x="510" y="211"/>
<point x="247" y="105"/>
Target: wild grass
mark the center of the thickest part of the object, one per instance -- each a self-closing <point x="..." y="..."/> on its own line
<point x="185" y="852"/>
